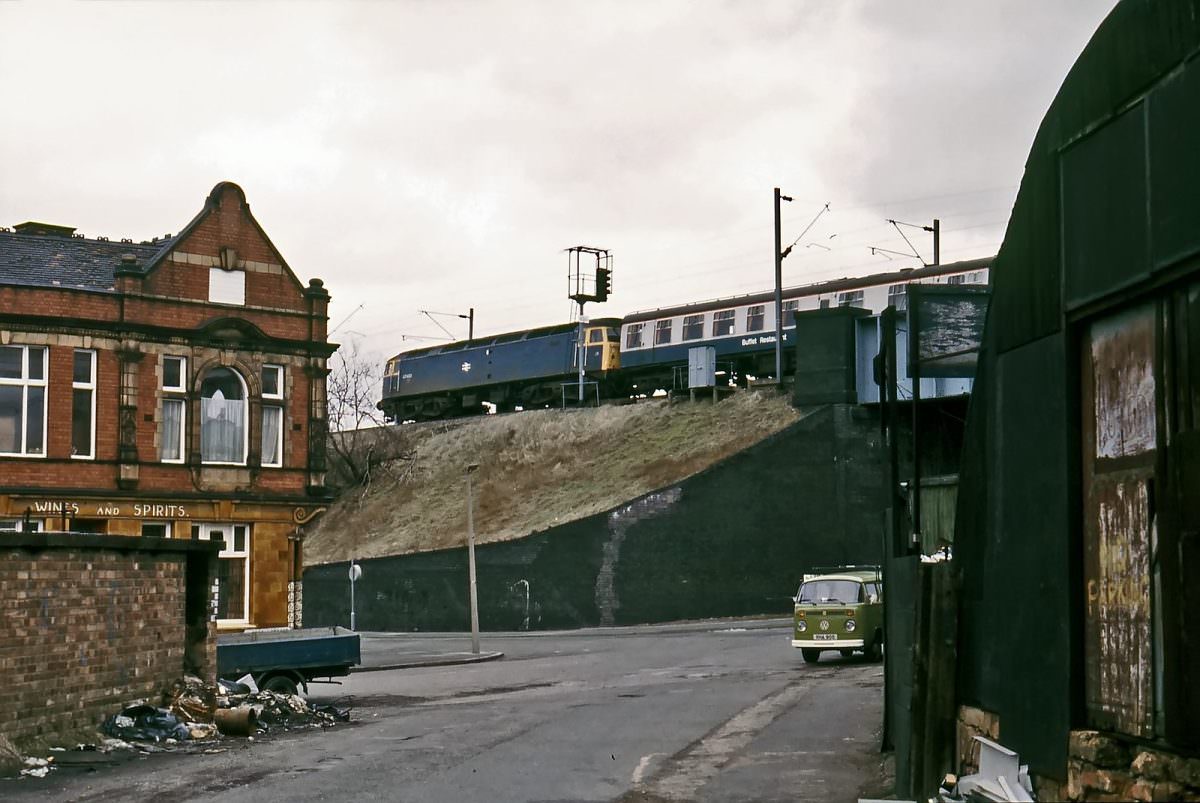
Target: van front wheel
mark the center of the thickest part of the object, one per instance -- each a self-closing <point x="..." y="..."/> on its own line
<point x="875" y="651"/>
<point x="811" y="656"/>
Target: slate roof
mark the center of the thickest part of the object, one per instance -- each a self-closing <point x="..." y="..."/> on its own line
<point x="69" y="262"/>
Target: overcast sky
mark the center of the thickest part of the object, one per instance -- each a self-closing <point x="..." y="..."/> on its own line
<point x="442" y="155"/>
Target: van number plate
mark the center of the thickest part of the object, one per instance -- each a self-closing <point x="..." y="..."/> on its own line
<point x="824" y="636"/>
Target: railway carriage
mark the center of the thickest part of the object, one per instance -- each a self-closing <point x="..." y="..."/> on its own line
<point x="655" y="343"/>
<point x="635" y="355"/>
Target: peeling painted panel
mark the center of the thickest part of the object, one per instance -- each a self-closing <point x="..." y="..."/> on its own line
<point x="1118" y="607"/>
<point x="1120" y="425"/>
<point x="1123" y="361"/>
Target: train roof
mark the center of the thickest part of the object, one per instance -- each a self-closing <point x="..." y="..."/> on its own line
<point x="506" y="337"/>
<point x="831" y="286"/>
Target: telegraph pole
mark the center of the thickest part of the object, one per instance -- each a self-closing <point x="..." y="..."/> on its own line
<point x="914" y="320"/>
<point x="778" y="290"/>
<point x="937" y="241"/>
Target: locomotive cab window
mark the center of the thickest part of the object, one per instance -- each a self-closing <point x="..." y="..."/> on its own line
<point x="614" y="334"/>
<point x="596" y="336"/>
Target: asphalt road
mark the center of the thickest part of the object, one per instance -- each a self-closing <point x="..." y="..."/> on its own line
<point x="703" y="712"/>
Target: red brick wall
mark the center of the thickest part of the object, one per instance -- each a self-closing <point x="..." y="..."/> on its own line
<point x="59" y="303"/>
<point x="84" y="630"/>
<point x="164" y="312"/>
<point x="230" y="226"/>
<point x="58" y="471"/>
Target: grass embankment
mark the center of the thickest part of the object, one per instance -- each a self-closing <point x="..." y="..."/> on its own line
<point x="537" y="469"/>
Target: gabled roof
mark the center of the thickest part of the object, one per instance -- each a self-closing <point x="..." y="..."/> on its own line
<point x="44" y="255"/>
<point x="210" y="205"/>
<point x="68" y="262"/>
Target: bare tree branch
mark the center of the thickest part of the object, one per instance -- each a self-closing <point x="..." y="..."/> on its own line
<point x="360" y="439"/>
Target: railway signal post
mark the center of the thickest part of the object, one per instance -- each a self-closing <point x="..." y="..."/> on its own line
<point x="583" y="287"/>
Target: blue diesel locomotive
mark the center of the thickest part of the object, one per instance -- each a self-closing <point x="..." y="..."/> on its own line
<point x="637" y="354"/>
<point x="515" y="369"/>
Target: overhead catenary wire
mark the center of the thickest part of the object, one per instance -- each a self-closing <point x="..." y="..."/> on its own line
<point x="816" y="266"/>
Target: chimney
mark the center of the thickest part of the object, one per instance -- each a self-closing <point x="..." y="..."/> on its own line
<point x="44" y="229"/>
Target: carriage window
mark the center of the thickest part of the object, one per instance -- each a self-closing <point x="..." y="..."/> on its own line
<point x="693" y="327"/>
<point x="754" y="318"/>
<point x="662" y="332"/>
<point x="723" y="323"/>
<point x="633" y="336"/>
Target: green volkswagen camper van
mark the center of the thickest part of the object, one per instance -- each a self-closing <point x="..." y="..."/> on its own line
<point x="840" y="609"/>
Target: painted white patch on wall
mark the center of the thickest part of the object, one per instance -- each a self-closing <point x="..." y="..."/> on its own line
<point x="226" y="286"/>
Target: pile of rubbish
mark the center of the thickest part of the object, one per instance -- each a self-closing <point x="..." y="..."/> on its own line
<point x="193" y="715"/>
<point x="1001" y="777"/>
<point x="193" y="710"/>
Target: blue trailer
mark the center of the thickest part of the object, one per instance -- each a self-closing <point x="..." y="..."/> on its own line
<point x="285" y="660"/>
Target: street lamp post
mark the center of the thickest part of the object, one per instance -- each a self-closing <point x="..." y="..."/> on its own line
<point x="471" y="561"/>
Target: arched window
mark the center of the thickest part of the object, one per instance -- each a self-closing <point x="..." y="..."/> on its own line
<point x="223" y="417"/>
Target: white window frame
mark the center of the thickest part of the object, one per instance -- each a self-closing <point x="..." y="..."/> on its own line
<point x="690" y="320"/>
<point x="761" y="314"/>
<point x="634" y="333"/>
<point x="156" y="523"/>
<point x="850" y="298"/>
<point x="25" y="383"/>
<point x="663" y="326"/>
<point x="15" y="526"/>
<point x="245" y="427"/>
<point x="182" y="386"/>
<point x="722" y="316"/>
<point x="89" y="386"/>
<point x="177" y="400"/>
<point x="277" y="396"/>
<point x="203" y="531"/>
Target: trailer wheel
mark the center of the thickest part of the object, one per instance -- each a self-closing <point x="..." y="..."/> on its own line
<point x="280" y="684"/>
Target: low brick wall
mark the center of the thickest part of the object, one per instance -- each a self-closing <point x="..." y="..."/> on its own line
<point x="90" y="622"/>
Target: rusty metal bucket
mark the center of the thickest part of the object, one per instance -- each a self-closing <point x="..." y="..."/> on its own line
<point x="241" y="721"/>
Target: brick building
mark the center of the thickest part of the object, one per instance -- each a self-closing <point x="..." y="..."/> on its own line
<point x="172" y="388"/>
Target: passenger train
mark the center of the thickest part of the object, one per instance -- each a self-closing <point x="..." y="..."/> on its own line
<point x="636" y="355"/>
